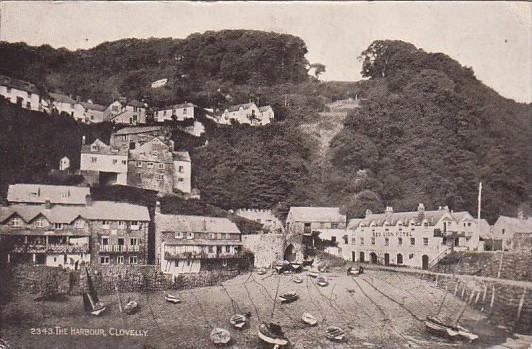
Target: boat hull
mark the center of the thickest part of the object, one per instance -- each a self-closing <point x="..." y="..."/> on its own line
<point x="271" y="340"/>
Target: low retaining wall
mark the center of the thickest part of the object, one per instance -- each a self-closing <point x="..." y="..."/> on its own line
<point x="106" y="279"/>
<point x="510" y="265"/>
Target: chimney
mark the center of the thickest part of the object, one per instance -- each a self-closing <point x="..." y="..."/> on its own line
<point x="389" y="210"/>
<point x="368" y="212"/>
<point x="158" y="207"/>
<point x="88" y="200"/>
<point x="421" y="207"/>
<point x="82" y="140"/>
<point x="446" y="208"/>
<point x="521" y="214"/>
<point x="47" y="204"/>
<point x="420" y="212"/>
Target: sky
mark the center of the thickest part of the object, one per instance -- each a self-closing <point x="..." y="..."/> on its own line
<point x="494" y="38"/>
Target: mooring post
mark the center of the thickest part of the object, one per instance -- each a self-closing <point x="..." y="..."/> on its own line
<point x="500" y="265"/>
<point x="455" y="288"/>
<point x="521" y="303"/>
<point x="492" y="298"/>
<point x="485" y="292"/>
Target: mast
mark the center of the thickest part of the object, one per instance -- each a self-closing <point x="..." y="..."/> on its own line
<point x="479" y="207"/>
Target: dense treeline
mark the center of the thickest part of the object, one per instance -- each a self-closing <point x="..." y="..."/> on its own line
<point x="201" y="68"/>
<point x="428" y="132"/>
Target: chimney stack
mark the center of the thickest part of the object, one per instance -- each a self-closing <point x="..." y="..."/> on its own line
<point x="47" y="204"/>
<point x="368" y="212"/>
<point x="88" y="200"/>
<point x="82" y="140"/>
<point x="389" y="210"/>
<point x="158" y="207"/>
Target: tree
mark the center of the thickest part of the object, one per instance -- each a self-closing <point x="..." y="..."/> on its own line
<point x="318" y="69"/>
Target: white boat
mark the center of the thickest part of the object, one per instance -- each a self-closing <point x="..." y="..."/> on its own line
<point x="220" y="336"/>
<point x="261" y="271"/>
<point x="309" y="319"/>
<point x="288" y="297"/>
<point x="172" y="299"/>
<point x="272" y="333"/>
<point x="131" y="307"/>
<point x="322" y="281"/>
<point x="297" y="279"/>
<point x="238" y="320"/>
<point x="313" y="274"/>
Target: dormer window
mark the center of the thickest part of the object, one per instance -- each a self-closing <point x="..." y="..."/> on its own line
<point x="178" y="235"/>
<point x="79" y="224"/>
<point x="95" y="147"/>
<point x="16" y="222"/>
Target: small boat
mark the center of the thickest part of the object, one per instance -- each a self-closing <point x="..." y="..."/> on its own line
<point x="354" y="272"/>
<point x="334" y="333"/>
<point x="131" y="307"/>
<point x="220" y="336"/>
<point x="309" y="319"/>
<point x="308" y="263"/>
<point x="272" y="334"/>
<point x="261" y="271"/>
<point x="313" y="274"/>
<point x="322" y="281"/>
<point x="288" y="297"/>
<point x="297" y="279"/>
<point x="171" y="298"/>
<point x="90" y="298"/>
<point x="438" y="328"/>
<point x="238" y="320"/>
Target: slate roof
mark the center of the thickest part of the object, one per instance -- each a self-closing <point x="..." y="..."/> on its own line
<point x="238" y="106"/>
<point x="104" y="149"/>
<point x="98" y="210"/>
<point x="135" y="103"/>
<point x="61" y="98"/>
<point x="264" y="108"/>
<point x="92" y="106"/>
<point x="176" y="106"/>
<point x="135" y="130"/>
<point x="515" y="225"/>
<point x="316" y="214"/>
<point x="18" y="84"/>
<point x="40" y="193"/>
<point x="182" y="156"/>
<point x="196" y="224"/>
<point x="354" y="223"/>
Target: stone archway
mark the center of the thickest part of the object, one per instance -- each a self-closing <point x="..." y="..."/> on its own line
<point x="373" y="257"/>
<point x="289" y="254"/>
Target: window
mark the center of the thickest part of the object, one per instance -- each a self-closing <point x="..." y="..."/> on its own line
<point x="503" y="231"/>
<point x="139" y="176"/>
<point x="160" y="177"/>
<point x="180" y="169"/>
<point x="373" y="241"/>
<point x="121" y="225"/>
<point x="28" y="105"/>
<point x="106" y="224"/>
<point x="334" y="225"/>
<point x="412" y="241"/>
<point x="178" y="235"/>
<point x="362" y="241"/>
<point x="58" y="226"/>
<point x="150" y="165"/>
<point x="211" y="249"/>
<point x="133" y="241"/>
<point x="124" y="162"/>
<point x="353" y="241"/>
<point x="79" y="224"/>
<point x="333" y="238"/>
<point x="133" y="260"/>
<point x="180" y="179"/>
<point x="16" y="222"/>
<point x="425" y="241"/>
<point x="94" y="159"/>
<point x="104" y="259"/>
<point x="139" y="163"/>
<point x="227" y="249"/>
<point x="411" y="256"/>
<point x="399" y="241"/>
<point x="41" y="223"/>
<point x="134" y="225"/>
<point x="468" y="224"/>
<point x="105" y="240"/>
<point x="161" y="166"/>
<point x="190" y="235"/>
<point x="184" y="110"/>
<point x="115" y="161"/>
<point x="121" y="241"/>
<point x="120" y="259"/>
<point x="386" y="242"/>
<point x="9" y="90"/>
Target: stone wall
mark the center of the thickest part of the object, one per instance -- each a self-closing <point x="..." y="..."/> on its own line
<point x="506" y="304"/>
<point x="515" y="265"/>
<point x="270" y="248"/>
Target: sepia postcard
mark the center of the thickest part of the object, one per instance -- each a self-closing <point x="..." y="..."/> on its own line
<point x="272" y="175"/>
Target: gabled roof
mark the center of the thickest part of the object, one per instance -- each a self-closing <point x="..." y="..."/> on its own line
<point x="354" y="223"/>
<point x="432" y="217"/>
<point x="61" y="98"/>
<point x="316" y="214"/>
<point x="135" y="103"/>
<point x="111" y="210"/>
<point x="182" y="156"/>
<point x="238" y="106"/>
<point x="18" y="84"/>
<point x="103" y="149"/>
<point x="139" y="129"/>
<point x="40" y="193"/>
<point x="176" y="106"/>
<point x="265" y="108"/>
<point x="515" y="225"/>
<point x="196" y="224"/>
<point x="92" y="106"/>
